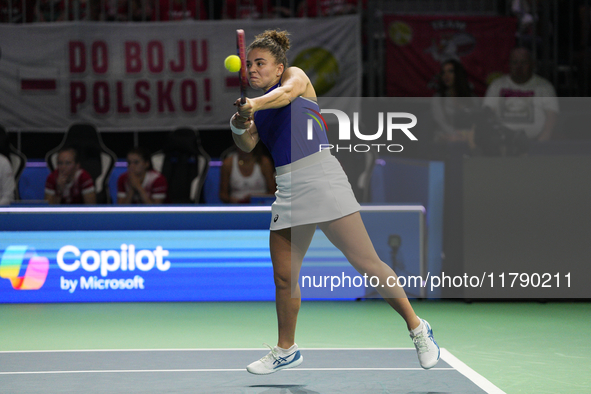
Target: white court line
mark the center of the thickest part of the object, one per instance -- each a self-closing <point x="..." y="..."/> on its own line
<point x="468" y="372"/>
<point x="211" y="370"/>
<point x="196" y="349"/>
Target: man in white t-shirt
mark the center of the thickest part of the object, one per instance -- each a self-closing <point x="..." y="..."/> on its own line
<point x="523" y="100"/>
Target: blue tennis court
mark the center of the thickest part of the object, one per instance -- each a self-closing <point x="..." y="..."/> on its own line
<point x="222" y="371"/>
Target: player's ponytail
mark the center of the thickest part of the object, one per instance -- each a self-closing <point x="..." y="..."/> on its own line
<point x="275" y="41"/>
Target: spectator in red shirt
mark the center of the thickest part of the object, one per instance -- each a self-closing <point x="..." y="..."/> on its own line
<point x="175" y="10"/>
<point x="141" y="184"/>
<point x="69" y="184"/>
<point x="126" y="10"/>
<point x="247" y="9"/>
<point x="60" y="10"/>
<point x="310" y="8"/>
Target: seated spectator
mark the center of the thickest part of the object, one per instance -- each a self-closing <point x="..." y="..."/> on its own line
<point x="312" y="8"/>
<point x="11" y="11"/>
<point x="522" y="100"/>
<point x="69" y="184"/>
<point x="177" y="10"/>
<point x="524" y="11"/>
<point x="141" y="184"/>
<point x="285" y="8"/>
<point x="244" y="175"/>
<point x="128" y="10"/>
<point x="245" y="9"/>
<point x="55" y="10"/>
<point x="453" y="104"/>
<point x="6" y="181"/>
<point x="49" y="10"/>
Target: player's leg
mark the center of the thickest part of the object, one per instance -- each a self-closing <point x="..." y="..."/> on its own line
<point x="288" y="248"/>
<point x="350" y="236"/>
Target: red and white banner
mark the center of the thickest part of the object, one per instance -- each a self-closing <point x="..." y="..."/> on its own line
<point x="153" y="76"/>
<point x="417" y="45"/>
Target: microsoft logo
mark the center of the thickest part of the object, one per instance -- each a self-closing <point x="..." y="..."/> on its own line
<point x="36" y="267"/>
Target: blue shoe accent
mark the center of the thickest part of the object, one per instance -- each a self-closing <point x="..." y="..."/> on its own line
<point x="430" y="332"/>
<point x="426" y="345"/>
<point x="274" y="362"/>
<point x="281" y="361"/>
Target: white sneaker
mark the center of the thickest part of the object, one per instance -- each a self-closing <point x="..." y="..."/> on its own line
<point x="276" y="360"/>
<point x="427" y="348"/>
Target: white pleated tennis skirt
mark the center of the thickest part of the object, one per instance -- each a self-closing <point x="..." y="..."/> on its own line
<point x="311" y="190"/>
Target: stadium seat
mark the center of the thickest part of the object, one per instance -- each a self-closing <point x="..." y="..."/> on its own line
<point x="185" y="164"/>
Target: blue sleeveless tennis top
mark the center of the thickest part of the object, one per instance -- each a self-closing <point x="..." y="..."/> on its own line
<point x="284" y="131"/>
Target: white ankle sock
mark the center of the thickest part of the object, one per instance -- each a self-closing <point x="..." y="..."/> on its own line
<point x="282" y="350"/>
<point x="417" y="330"/>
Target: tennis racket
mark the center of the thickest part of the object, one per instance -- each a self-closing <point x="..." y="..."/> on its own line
<point x="241" y="51"/>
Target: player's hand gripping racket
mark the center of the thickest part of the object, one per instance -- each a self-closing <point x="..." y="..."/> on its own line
<point x="241" y="51"/>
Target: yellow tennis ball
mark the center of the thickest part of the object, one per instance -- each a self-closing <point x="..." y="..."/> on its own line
<point x="232" y="63"/>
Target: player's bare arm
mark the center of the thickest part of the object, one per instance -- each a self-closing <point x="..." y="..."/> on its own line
<point x="294" y="83"/>
<point x="248" y="140"/>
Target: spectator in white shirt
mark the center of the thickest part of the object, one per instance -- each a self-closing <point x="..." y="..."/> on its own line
<point x="523" y="100"/>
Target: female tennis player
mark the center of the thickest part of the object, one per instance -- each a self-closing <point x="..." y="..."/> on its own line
<point x="312" y="190"/>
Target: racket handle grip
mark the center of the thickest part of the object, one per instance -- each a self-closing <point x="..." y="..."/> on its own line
<point x="242" y="100"/>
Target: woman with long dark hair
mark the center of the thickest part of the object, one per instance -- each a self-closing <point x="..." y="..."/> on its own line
<point x="453" y="104"/>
